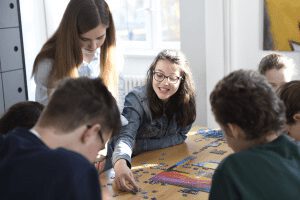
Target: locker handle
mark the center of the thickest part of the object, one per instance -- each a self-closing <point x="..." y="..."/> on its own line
<point x="20" y="89"/>
<point x="16" y="48"/>
<point x="11" y="5"/>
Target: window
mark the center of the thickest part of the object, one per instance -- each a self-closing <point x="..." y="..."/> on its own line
<point x="146" y="24"/>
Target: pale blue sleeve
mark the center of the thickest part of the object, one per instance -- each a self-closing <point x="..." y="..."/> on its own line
<point x="41" y="78"/>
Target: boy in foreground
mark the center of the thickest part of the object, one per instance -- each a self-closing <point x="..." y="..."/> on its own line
<point x="266" y="163"/>
<point x="53" y="159"/>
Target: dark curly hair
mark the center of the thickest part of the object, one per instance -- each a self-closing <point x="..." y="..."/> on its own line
<point x="289" y="93"/>
<point x="246" y="99"/>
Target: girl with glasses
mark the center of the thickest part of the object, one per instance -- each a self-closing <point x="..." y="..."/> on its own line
<point x="159" y="114"/>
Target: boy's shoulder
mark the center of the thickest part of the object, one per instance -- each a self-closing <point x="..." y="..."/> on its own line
<point x="279" y="151"/>
<point x="66" y="160"/>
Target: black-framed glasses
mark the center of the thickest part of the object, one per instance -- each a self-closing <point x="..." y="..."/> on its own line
<point x="99" y="133"/>
<point x="160" y="77"/>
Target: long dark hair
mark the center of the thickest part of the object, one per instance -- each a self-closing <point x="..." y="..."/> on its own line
<point x="182" y="104"/>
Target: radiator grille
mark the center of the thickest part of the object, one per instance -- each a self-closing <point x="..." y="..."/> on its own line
<point x="131" y="81"/>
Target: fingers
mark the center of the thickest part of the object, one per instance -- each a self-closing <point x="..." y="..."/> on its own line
<point x="132" y="182"/>
<point x="127" y="183"/>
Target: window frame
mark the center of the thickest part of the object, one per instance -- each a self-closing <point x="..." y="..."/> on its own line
<point x="153" y="42"/>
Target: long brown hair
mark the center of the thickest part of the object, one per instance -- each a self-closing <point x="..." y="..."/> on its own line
<point x="182" y="104"/>
<point x="64" y="48"/>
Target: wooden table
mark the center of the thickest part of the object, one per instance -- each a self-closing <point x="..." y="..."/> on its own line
<point x="145" y="166"/>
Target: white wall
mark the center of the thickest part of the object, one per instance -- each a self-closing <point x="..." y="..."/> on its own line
<point x="34" y="35"/>
<point x="247" y="35"/>
<point x="192" y="34"/>
<point x="137" y="65"/>
<point x="53" y="14"/>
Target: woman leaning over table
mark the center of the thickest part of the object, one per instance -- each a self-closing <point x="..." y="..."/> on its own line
<point x="159" y="114"/>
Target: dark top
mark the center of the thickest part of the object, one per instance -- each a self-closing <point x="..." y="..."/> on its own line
<point x="31" y="170"/>
<point x="268" y="171"/>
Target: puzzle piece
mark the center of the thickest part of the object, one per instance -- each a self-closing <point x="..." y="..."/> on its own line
<point x="213" y="144"/>
<point x="216" y="151"/>
<point x="208" y="164"/>
<point x="193" y="191"/>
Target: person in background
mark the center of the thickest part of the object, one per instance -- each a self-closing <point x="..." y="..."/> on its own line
<point x="278" y="69"/>
<point x="83" y="45"/>
<point x="159" y="114"/>
<point x="22" y="114"/>
<point x="53" y="159"/>
<point x="289" y="93"/>
<point x="265" y="163"/>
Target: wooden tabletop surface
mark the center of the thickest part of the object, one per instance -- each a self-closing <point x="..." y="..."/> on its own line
<point x="180" y="172"/>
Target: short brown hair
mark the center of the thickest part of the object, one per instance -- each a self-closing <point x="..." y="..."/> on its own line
<point x="290" y="95"/>
<point x="275" y="61"/>
<point x="80" y="101"/>
<point x="246" y="99"/>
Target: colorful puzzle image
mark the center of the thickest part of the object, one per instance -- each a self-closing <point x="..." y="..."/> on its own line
<point x="183" y="180"/>
<point x="211" y="133"/>
<point x="176" y="175"/>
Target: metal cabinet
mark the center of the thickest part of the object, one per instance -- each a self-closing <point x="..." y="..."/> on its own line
<point x="12" y="67"/>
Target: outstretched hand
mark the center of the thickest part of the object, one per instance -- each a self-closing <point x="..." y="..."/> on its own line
<point x="124" y="178"/>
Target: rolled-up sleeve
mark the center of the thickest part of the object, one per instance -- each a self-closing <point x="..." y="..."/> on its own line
<point x="125" y="142"/>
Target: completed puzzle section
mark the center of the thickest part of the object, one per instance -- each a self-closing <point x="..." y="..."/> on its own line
<point x="190" y="172"/>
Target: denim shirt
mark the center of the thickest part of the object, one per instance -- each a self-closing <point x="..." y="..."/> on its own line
<point x="142" y="133"/>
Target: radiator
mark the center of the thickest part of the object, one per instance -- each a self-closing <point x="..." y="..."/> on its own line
<point x="131" y="81"/>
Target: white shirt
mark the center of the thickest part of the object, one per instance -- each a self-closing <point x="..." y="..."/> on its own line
<point x="91" y="69"/>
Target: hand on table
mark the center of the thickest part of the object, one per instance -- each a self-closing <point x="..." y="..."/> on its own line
<point x="124" y="178"/>
<point x="100" y="163"/>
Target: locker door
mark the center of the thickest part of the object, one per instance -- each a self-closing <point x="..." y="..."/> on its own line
<point x="1" y="97"/>
<point x="8" y="13"/>
<point x="14" y="87"/>
<point x="10" y="49"/>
